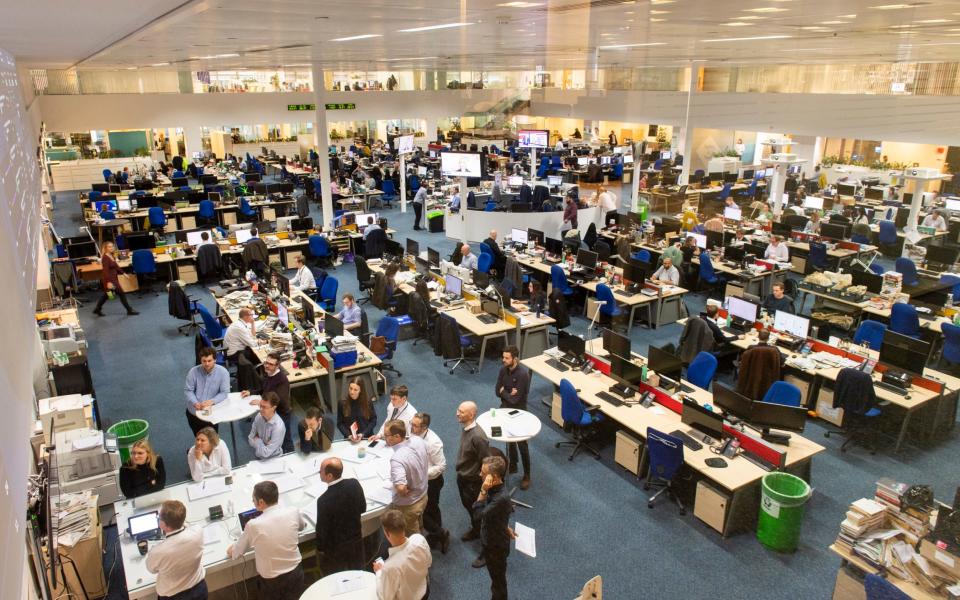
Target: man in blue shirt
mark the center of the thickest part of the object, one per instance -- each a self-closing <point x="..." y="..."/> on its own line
<point x="468" y="261"/>
<point x="207" y="384"/>
<point x="455" y="201"/>
<point x="267" y="433"/>
<point x="351" y="314"/>
<point x="371" y="225"/>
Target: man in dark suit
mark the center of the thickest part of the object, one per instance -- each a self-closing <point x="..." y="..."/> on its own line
<point x="339" y="536"/>
<point x="499" y="260"/>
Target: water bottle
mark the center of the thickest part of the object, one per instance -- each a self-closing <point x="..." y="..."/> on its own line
<point x="643" y="373"/>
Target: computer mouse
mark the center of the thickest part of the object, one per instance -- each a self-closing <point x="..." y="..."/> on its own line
<point x="793" y="356"/>
<point x="907" y="397"/>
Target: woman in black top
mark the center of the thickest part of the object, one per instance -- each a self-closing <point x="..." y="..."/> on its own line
<point x="143" y="473"/>
<point x="538" y="299"/>
<point x="356" y="408"/>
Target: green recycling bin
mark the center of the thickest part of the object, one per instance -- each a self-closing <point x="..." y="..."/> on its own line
<point x="782" y="504"/>
<point x="129" y="432"/>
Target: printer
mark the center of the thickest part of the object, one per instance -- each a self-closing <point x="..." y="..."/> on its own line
<point x="61" y="413"/>
<point x="85" y="463"/>
<point x="62" y="338"/>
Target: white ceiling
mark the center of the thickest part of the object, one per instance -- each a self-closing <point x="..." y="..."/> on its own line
<point x="222" y="34"/>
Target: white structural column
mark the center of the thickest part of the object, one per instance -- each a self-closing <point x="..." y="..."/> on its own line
<point x="323" y="144"/>
<point x="430" y="129"/>
<point x="637" y="174"/>
<point x="193" y="141"/>
<point x="921" y="179"/>
<point x="685" y="135"/>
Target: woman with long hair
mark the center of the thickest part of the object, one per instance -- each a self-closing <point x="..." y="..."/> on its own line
<point x="110" y="280"/>
<point x="209" y="456"/>
<point x="143" y="473"/>
<point x="356" y="417"/>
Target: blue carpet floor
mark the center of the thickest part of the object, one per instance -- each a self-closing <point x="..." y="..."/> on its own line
<point x="590" y="516"/>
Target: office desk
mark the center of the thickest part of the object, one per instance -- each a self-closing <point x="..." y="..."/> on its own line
<point x="221" y="571"/>
<point x="909" y="588"/>
<point x="756" y="283"/>
<point x="361" y="199"/>
<point x="111" y="225"/>
<point x="326" y="588"/>
<point x="478" y="329"/>
<point x="741" y="479"/>
<point x="799" y="251"/>
<point x="668" y="295"/>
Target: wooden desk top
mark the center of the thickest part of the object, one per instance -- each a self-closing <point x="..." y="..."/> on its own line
<point x="911" y="589"/>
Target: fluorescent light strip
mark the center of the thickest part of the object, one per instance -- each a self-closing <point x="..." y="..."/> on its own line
<point x="411" y="58"/>
<point x="356" y="37"/>
<point x="432" y="27"/>
<point x="632" y="45"/>
<point x="746" y="39"/>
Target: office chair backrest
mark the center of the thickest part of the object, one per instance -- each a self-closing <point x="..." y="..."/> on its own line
<point x="107" y="215"/>
<point x="904" y="319"/>
<point x="877" y="268"/>
<point x="908" y="269"/>
<point x="485" y="248"/>
<point x="559" y="279"/>
<point x="642" y="255"/>
<point x="388" y="188"/>
<point x="329" y="290"/>
<point x="818" y="254"/>
<point x="389" y="328"/>
<point x="888" y="233"/>
<point x="484" y="262"/>
<point x="665" y="453"/>
<point x="363" y="269"/>
<point x="245" y="207"/>
<point x="870" y="331"/>
<point x="605" y="294"/>
<point x="878" y="588"/>
<point x="603" y="250"/>
<point x="206" y="209"/>
<point x="144" y="262"/>
<point x="725" y="192"/>
<point x="156" y="216"/>
<point x="701" y="370"/>
<point x="706" y="268"/>
<point x="783" y="393"/>
<point x="951" y="343"/>
<point x="319" y="246"/>
<point x="571" y="408"/>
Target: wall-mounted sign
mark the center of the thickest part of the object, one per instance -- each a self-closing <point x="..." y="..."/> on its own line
<point x="341" y="106"/>
<point x="301" y="107"/>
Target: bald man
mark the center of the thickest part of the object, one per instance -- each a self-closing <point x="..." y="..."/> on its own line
<point x="468" y="261"/>
<point x="339" y="510"/>
<point x="499" y="260"/>
<point x="474" y="447"/>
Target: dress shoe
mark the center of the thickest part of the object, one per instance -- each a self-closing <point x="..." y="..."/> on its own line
<point x="479" y="562"/>
<point x="132" y="312"/>
<point x="445" y="542"/>
<point x="98" y="313"/>
<point x="470" y="535"/>
<point x="525" y="483"/>
<point x="513" y="468"/>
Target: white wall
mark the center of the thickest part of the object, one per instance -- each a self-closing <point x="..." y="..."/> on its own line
<point x="19" y="241"/>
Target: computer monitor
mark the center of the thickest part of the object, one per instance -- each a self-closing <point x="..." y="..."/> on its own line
<point x="587" y="259"/>
<point x="195" y="238"/>
<point x="732" y="402"/>
<point x="572" y="345"/>
<point x="952" y="204"/>
<point x="393" y="248"/>
<point x="769" y="171"/>
<point x="140" y="241"/>
<point x="515" y="181"/>
<point x="283" y="315"/>
<point x="518" y="236"/>
<point x="433" y="257"/>
<point x="748" y="173"/>
<point x="583" y="161"/>
<point x="833" y="231"/>
<point x="846" y="189"/>
<point x="730" y="177"/>
<point x="701" y="240"/>
<point x="741" y="309"/>
<point x="904" y="352"/>
<point x="421" y="171"/>
<point x="702" y="419"/>
<point x="554" y="180"/>
<point x="85" y="249"/>
<point x="553" y="246"/>
<point x="664" y="363"/>
<point x="793" y="324"/>
<point x="868" y="279"/>
<point x="243" y="235"/>
<point x="479" y="278"/>
<point x="813" y="203"/>
<point x="605" y="160"/>
<point x="942" y="255"/>
<point x="616" y="344"/>
<point x="733" y="213"/>
<point x="781" y="229"/>
<point x="626" y="372"/>
<point x="413" y="247"/>
<point x="715" y="176"/>
<point x="101" y="187"/>
<point x="874" y="193"/>
<point x="666" y="154"/>
<point x="102" y="205"/>
<point x="768" y="415"/>
<point x="636" y="272"/>
<point x="536" y="236"/>
<point x="453" y="285"/>
<point x="332" y="326"/>
<point x="628" y="159"/>
<point x="280" y="281"/>
<point x="714" y="239"/>
<point x="309" y="314"/>
<point x="304" y="224"/>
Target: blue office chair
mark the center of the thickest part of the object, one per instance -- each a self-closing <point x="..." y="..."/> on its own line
<point x="698" y="174"/>
<point x="871" y="332"/>
<point x="641" y="255"/>
<point x="581" y="420"/>
<point x="328" y="294"/>
<point x="414" y="183"/>
<point x="908" y="269"/>
<point x="610" y="310"/>
<point x="725" y="192"/>
<point x="543" y="168"/>
<point x="878" y="588"/>
<point x="206" y="213"/>
<point x="556" y="163"/>
<point x="818" y="256"/>
<point x="859" y="238"/>
<point x="658" y="164"/>
<point x="955" y="282"/>
<point x="559" y="280"/>
<point x="876" y="268"/>
<point x="389" y="328"/>
<point x="708" y="277"/>
<point x="157" y="218"/>
<point x="617" y="171"/>
<point x="206" y="342"/>
<point x="951" y="343"/>
<point x="144" y="265"/>
<point x="665" y="455"/>
<point x="317" y="190"/>
<point x="783" y="393"/>
<point x="484" y="262"/>
<point x="702" y="369"/>
<point x="107" y="215"/>
<point x="887" y="238"/>
<point x="490" y="206"/>
<point x="107" y="174"/>
<point x="214" y="329"/>
<point x="319" y="248"/>
<point x="485" y="249"/>
<point x="904" y="319"/>
<point x="177" y="174"/>
<point x="750" y="192"/>
<point x="389" y="193"/>
<point x="247" y="211"/>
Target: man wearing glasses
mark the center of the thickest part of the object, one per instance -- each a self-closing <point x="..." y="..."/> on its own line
<point x="275" y="380"/>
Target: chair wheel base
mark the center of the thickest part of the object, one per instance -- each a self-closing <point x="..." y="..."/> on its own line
<point x="649" y="504"/>
<point x="683" y="511"/>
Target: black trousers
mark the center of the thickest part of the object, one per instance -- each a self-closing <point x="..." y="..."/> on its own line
<point x="116" y="290"/>
<point x="417" y="213"/>
<point x="287" y="445"/>
<point x="197" y="592"/>
<point x="497" y="568"/>
<point x="524" y="456"/>
<point x="288" y="586"/>
<point x="432" y="520"/>
<point x="196" y="424"/>
<point x="345" y="557"/>
<point x="469" y="488"/>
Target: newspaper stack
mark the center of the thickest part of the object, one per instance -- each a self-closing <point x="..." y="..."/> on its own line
<point x="864" y="516"/>
<point x="914" y="522"/>
<point x="72" y="516"/>
<point x="343" y="343"/>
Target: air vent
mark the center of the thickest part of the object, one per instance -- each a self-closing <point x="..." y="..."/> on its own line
<point x="580" y="6"/>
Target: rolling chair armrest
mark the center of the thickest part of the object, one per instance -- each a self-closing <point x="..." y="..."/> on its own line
<point x="593" y="410"/>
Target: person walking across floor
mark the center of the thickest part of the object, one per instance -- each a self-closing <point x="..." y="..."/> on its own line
<point x="437" y="536"/>
<point x="512" y="387"/>
<point x="110" y="281"/>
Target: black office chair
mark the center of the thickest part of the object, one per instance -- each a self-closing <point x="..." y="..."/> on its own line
<point x="365" y="278"/>
<point x="855" y="394"/>
<point x="375" y="244"/>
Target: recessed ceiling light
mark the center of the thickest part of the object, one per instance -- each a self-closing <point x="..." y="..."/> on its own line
<point x="432" y="27"/>
<point x="766" y="9"/>
<point x="736" y="24"/>
<point x="904" y="26"/>
<point x="751" y="18"/>
<point x="834" y="22"/>
<point x="815" y="28"/>
<point x="659" y="12"/>
<point x="159" y="64"/>
<point x="618" y="46"/>
<point x="652" y="20"/>
<point x="658" y="2"/>
<point x="848" y="16"/>
<point x="356" y="37"/>
<point x="936" y="21"/>
<point x="519" y="4"/>
<point x="890" y="6"/>
<point x="746" y="39"/>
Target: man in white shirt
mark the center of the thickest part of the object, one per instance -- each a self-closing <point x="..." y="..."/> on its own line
<point x="606" y="199"/>
<point x="274" y="536"/>
<point x="436" y="535"/>
<point x="177" y="560"/>
<point x="408" y="474"/>
<point x="241" y="335"/>
<point x="469" y="261"/>
<point x="777" y="250"/>
<point x="304" y="279"/>
<point x="405" y="573"/>
<point x="667" y="273"/>
<point x="935" y="220"/>
<point x="399" y="409"/>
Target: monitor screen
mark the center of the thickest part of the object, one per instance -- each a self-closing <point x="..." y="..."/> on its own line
<point x="605" y="160"/>
<point x="453" y="285"/>
<point x="870" y="280"/>
<point x="102" y="205"/>
<point x="145" y="523"/>
<point x="904" y="352"/>
<point x="702" y="419"/>
<point x="742" y="309"/>
<point x="942" y="255"/>
<point x="813" y="202"/>
<point x="571" y="344"/>
<point x="433" y="257"/>
<point x="732" y="212"/>
<point x="461" y="164"/>
<point x="555" y="180"/>
<point x="768" y="172"/>
<point x="533" y="138"/>
<point x="663" y="362"/>
<point x="553" y="246"/>
<point x="85" y="249"/>
<point x="332" y="326"/>
<point x="748" y="173"/>
<point x="874" y="193"/>
<point x="701" y="240"/>
<point x="731" y="402"/>
<point x="243" y="235"/>
<point x="792" y="324"/>
<point x="716" y="176"/>
<point x="413" y="247"/>
<point x="536" y="236"/>
<point x="194" y="238"/>
<point x="616" y="344"/>
<point x="403" y="144"/>
<point x="628" y="159"/>
<point x="283" y="315"/>
<point x="952" y="204"/>
<point x="846" y="189"/>
<point x="730" y="177"/>
<point x="583" y="161"/>
<point x="768" y="415"/>
<point x="138" y="241"/>
<point x="421" y="171"/>
<point x="666" y="154"/>
<point x="625" y="371"/>
<point x="714" y="239"/>
<point x="519" y="236"/>
<point x="587" y="259"/>
<point x="833" y="231"/>
<point x="515" y="181"/>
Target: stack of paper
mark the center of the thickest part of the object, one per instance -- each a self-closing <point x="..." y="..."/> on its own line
<point x="267" y="467"/>
<point x="287" y="482"/>
<point x="207" y="487"/>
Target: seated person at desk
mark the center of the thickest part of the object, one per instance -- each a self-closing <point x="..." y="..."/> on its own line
<point x="455" y="201"/>
<point x="207" y="384"/>
<point x="275" y="380"/>
<point x="730" y="202"/>
<point x="304" y="279"/>
<point x="715" y="224"/>
<point x="778" y="301"/>
<point x="644" y="182"/>
<point x="766" y="213"/>
<point x="314" y="432"/>
<point x="267" y="432"/>
<point x="538" y="298"/>
<point x="719" y="337"/>
<point x="861" y="217"/>
<point x="143" y="473"/>
<point x="371" y="226"/>
<point x="674" y="253"/>
<point x="777" y="250"/>
<point x="499" y="260"/>
<point x="739" y="238"/>
<point x="813" y="225"/>
<point x="667" y="273"/>
<point x="351" y="314"/>
<point x="690" y="250"/>
<point x="241" y="337"/>
<point x="935" y="220"/>
<point x="356" y="416"/>
<point x="209" y="456"/>
<point x="255" y="254"/>
<point x="468" y="260"/>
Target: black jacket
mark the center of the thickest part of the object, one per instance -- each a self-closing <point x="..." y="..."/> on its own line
<point x="178" y="305"/>
<point x="209" y="260"/>
<point x="493" y="513"/>
<point x="558" y="309"/>
<point x="375" y="244"/>
<point x="339" y="510"/>
<point x="141" y="480"/>
<point x="854" y="392"/>
<point x="321" y="440"/>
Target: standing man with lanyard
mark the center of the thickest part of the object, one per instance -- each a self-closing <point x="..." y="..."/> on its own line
<point x="399" y="409"/>
<point x="177" y="561"/>
<point x="513" y="385"/>
<point x="419" y="200"/>
<point x="436" y="535"/>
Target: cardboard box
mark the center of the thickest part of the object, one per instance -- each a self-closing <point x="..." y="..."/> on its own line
<point x="128" y="282"/>
<point x="555" y="407"/>
<point x="474" y="306"/>
<point x="826" y="410"/>
<point x="592" y="307"/>
<point x="187" y="273"/>
<point x="943" y="559"/>
<point x="291" y="258"/>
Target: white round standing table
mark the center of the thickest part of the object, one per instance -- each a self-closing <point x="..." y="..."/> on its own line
<point x="324" y="589"/>
<point x="515" y="428"/>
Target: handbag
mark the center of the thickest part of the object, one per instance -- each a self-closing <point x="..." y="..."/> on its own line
<point x="128" y="282"/>
<point x="378" y="344"/>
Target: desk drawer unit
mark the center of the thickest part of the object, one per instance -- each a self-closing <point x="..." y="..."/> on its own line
<point x="555" y="406"/>
<point x="711" y="505"/>
<point x="627" y="452"/>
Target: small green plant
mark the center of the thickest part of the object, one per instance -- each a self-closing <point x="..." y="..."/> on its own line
<point x="726" y="152"/>
<point x="141" y="151"/>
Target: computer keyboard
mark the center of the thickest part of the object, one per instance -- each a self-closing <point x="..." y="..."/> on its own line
<point x="686" y="389"/>
<point x="608" y="397"/>
<point x="891" y="388"/>
<point x="488" y="319"/>
<point x="556" y="364"/>
<point x="624" y="293"/>
<point x="688" y="441"/>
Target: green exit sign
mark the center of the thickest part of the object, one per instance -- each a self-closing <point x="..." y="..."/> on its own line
<point x="343" y="106"/>
<point x="301" y="107"/>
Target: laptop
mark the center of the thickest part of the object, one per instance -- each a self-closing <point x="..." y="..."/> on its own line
<point x="144" y="526"/>
<point x="246" y="516"/>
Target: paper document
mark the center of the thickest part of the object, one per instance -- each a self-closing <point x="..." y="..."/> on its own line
<point x="234" y="408"/>
<point x="213" y="533"/>
<point x="376" y="492"/>
<point x="346" y="583"/>
<point x="316" y="490"/>
<point x="309" y="512"/>
<point x="207" y="487"/>
<point x="287" y="482"/>
<point x="265" y="467"/>
<point x="365" y="471"/>
<point x="526" y="539"/>
<point x="88" y="442"/>
<point x="308" y="468"/>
